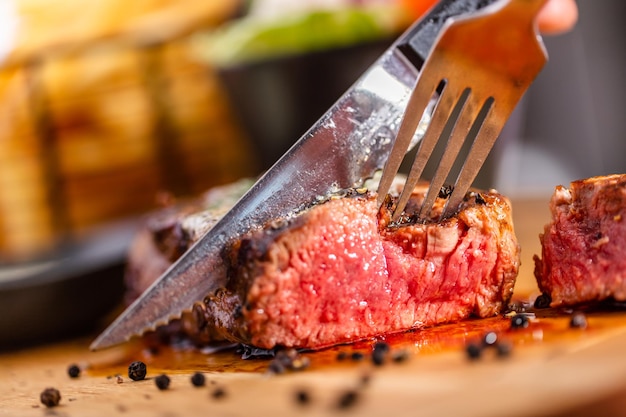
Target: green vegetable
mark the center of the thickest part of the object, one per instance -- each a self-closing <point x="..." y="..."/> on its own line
<point x="249" y="39"/>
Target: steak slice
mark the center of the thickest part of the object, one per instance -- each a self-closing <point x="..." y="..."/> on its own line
<point x="169" y="232"/>
<point x="340" y="271"/>
<point x="584" y="245"/>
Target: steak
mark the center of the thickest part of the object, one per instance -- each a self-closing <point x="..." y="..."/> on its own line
<point x="584" y="245"/>
<point x="169" y="232"/>
<point x="342" y="271"/>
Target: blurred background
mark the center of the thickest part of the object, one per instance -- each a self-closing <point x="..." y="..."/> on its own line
<point x="571" y="124"/>
<point x="110" y="109"/>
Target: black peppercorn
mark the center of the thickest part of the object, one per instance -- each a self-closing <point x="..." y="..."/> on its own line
<point x="379" y="353"/>
<point x="73" y="371"/>
<point x="400" y="356"/>
<point x="137" y="371"/>
<point x="342" y="356"/>
<point x="381" y="346"/>
<point x="198" y="379"/>
<point x="162" y="382"/>
<point x="445" y="191"/>
<point x="218" y="393"/>
<point x="543" y="301"/>
<point x="303" y="397"/>
<point x="473" y="350"/>
<point x="378" y="358"/>
<point x="357" y="356"/>
<point x="519" y="321"/>
<point x="578" y="320"/>
<point x="348" y="399"/>
<point x="50" y="397"/>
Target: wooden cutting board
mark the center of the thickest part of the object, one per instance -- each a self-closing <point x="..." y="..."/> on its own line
<point x="552" y="370"/>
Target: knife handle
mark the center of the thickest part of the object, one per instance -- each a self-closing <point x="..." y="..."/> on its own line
<point x="421" y="37"/>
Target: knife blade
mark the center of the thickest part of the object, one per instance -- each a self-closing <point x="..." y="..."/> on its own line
<point x="345" y="147"/>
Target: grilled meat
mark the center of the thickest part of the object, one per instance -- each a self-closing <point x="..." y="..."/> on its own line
<point x="341" y="271"/>
<point x="584" y="245"/>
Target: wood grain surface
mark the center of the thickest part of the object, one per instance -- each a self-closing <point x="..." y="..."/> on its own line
<point x="553" y="370"/>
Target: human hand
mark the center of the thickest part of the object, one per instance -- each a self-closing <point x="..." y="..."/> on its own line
<point x="557" y="16"/>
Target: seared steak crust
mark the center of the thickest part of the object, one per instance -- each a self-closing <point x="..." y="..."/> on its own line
<point x="584" y="245"/>
<point x="341" y="271"/>
<point x="168" y="233"/>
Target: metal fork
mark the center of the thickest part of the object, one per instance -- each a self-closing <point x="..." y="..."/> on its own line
<point x="480" y="66"/>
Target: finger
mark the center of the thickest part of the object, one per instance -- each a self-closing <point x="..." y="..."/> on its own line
<point x="558" y="16"/>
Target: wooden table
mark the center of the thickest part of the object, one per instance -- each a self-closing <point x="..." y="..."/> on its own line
<point x="552" y="371"/>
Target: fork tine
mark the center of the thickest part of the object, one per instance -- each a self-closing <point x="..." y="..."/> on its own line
<point x="441" y="115"/>
<point x="420" y="97"/>
<point x="485" y="138"/>
<point x="455" y="142"/>
<point x="491" y="66"/>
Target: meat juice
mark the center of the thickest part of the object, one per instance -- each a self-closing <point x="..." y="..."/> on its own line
<point x="545" y="326"/>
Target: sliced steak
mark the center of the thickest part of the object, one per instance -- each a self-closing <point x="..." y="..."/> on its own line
<point x="583" y="256"/>
<point x="169" y="232"/>
<point x="341" y="271"/>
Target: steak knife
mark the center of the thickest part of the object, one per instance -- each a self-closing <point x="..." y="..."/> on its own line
<point x="343" y="149"/>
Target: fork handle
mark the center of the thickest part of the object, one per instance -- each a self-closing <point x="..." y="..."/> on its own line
<point x="421" y="37"/>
